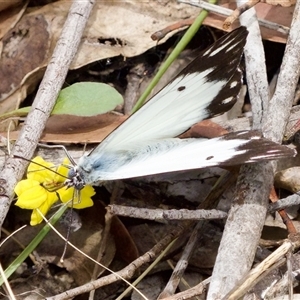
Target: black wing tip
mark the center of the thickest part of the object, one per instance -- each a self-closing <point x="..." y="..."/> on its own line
<point x="257" y="148"/>
<point x="240" y="30"/>
<point x="227" y="69"/>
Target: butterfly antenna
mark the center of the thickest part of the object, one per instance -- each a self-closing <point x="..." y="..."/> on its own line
<point x="60" y="147"/>
<point x="38" y="164"/>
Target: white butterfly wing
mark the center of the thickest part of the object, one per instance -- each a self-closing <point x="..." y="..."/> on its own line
<point x="207" y="87"/>
<point x="174" y="154"/>
<point x="144" y="143"/>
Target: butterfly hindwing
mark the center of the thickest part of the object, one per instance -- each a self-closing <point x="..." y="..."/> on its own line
<point x="171" y="155"/>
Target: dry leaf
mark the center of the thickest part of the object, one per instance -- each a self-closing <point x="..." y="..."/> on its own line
<point x="285" y="3"/>
<point x="125" y="246"/>
<point x="86" y="136"/>
<point x="66" y="124"/>
<point x="38" y="31"/>
<point x="25" y="49"/>
<point x="288" y="179"/>
<point x="206" y="129"/>
<point x="5" y="4"/>
<point x="10" y="16"/>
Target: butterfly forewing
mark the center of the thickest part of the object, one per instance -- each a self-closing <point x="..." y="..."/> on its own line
<point x="193" y="95"/>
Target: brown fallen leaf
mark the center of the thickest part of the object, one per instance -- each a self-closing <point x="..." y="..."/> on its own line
<point x="68" y="124"/>
<point x="10" y="13"/>
<point x="25" y="48"/>
<point x="206" y="129"/>
<point x="38" y="30"/>
<point x="82" y="135"/>
<point x="125" y="246"/>
<point x="4" y="5"/>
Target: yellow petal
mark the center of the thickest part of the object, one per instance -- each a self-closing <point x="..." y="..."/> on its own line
<point x="38" y="163"/>
<point x="63" y="169"/>
<point x="66" y="194"/>
<point x="36" y="217"/>
<point x="88" y="191"/>
<point x="24" y="185"/>
<point x="32" y="195"/>
<point x="84" y="196"/>
<point x="36" y="170"/>
<point x="84" y="203"/>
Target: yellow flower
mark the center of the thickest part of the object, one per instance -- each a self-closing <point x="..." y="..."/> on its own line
<point x="43" y="187"/>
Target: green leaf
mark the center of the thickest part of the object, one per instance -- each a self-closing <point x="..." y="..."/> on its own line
<point x="175" y="52"/>
<point x="33" y="244"/>
<point x="87" y="99"/>
<point x="80" y="99"/>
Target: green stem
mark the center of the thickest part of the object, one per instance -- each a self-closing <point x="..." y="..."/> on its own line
<point x="177" y="50"/>
<point x="33" y="244"/>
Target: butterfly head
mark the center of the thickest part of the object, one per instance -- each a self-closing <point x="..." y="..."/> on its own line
<point x="75" y="179"/>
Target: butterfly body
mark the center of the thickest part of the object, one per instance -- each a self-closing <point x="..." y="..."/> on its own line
<point x="146" y="142"/>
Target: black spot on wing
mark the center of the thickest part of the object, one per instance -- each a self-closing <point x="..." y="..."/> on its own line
<point x="256" y="149"/>
<point x="181" y="88"/>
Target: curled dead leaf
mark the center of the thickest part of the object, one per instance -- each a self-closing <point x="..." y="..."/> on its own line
<point x="288" y="179"/>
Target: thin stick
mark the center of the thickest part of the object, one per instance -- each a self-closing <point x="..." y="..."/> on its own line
<point x="255" y="182"/>
<point x="227" y="12"/>
<point x="51" y="84"/>
<point x="276" y="256"/>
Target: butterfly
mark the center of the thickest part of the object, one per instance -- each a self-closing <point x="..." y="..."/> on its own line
<point x="146" y="143"/>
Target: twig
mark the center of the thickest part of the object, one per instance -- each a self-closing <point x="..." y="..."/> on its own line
<point x="256" y="71"/>
<point x="227" y="12"/>
<point x="255" y="181"/>
<point x="283" y="214"/>
<point x="279" y="254"/>
<point x="182" y="263"/>
<point x="192" y="292"/>
<point x="253" y="187"/>
<point x="44" y="101"/>
<point x="126" y="273"/>
<point x="281" y="102"/>
<point x="162" y="214"/>
<point x="103" y="247"/>
<point x="285" y="203"/>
